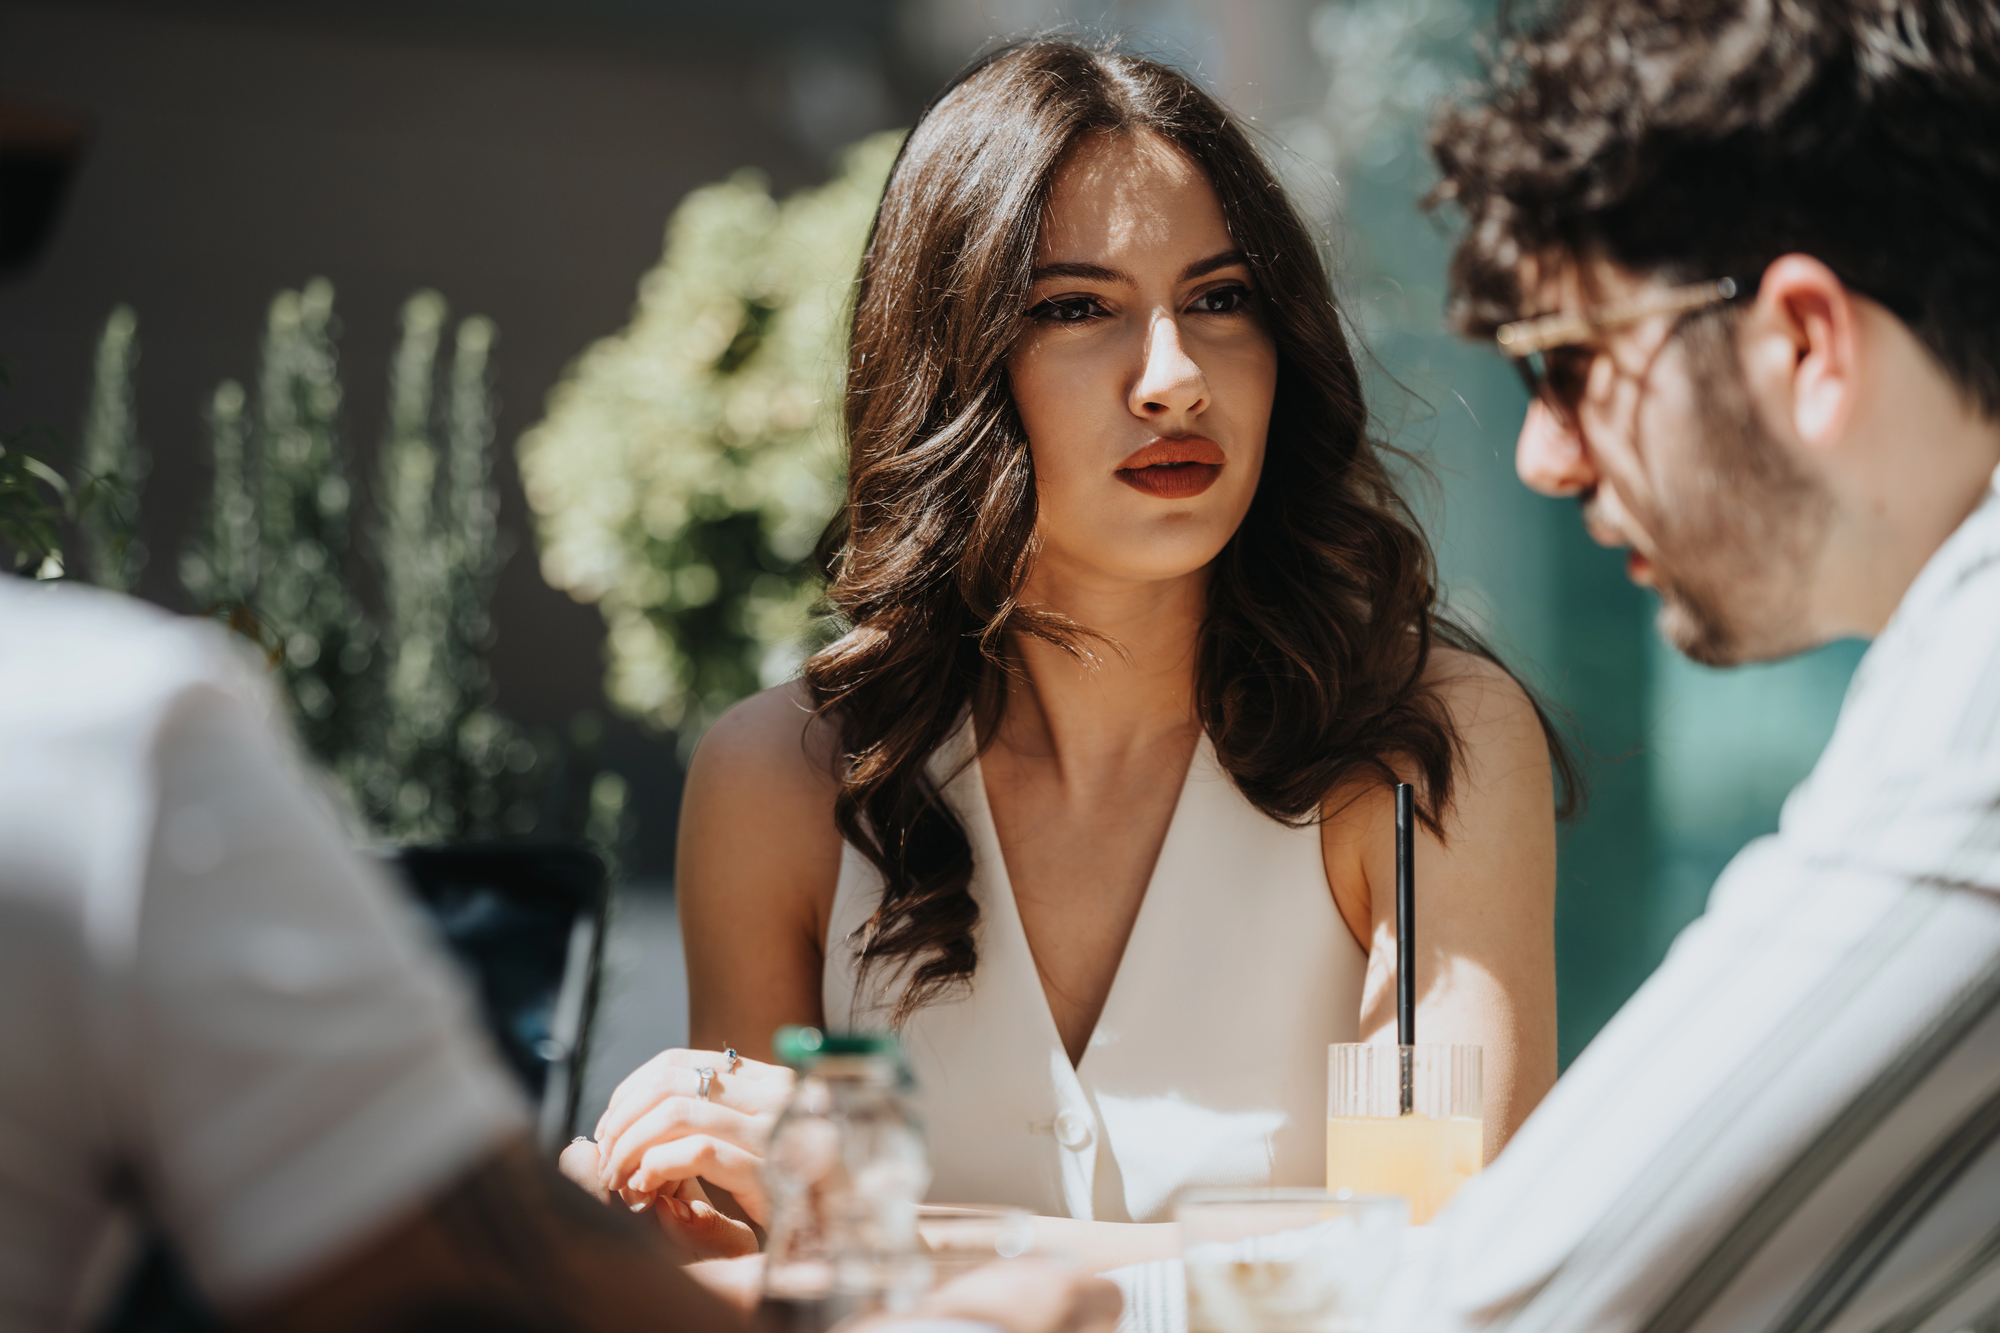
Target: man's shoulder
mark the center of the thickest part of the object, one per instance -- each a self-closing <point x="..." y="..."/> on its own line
<point x="1910" y="780"/>
<point x="73" y="656"/>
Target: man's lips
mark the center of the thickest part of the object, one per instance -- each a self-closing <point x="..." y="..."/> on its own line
<point x="1173" y="469"/>
<point x="1638" y="566"/>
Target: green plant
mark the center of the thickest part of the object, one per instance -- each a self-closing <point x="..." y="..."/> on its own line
<point x="399" y="706"/>
<point x="42" y="512"/>
<point x="687" y="464"/>
<point x="445" y="759"/>
<point x="35" y="500"/>
<point x="304" y="504"/>
<point x="113" y="466"/>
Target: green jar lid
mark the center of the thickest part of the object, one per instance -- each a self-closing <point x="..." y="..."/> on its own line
<point x="800" y="1046"/>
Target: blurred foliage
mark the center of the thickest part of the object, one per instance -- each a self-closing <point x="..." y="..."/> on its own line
<point x="398" y="707"/>
<point x="304" y="500"/>
<point x="688" y="463"/>
<point x="44" y="515"/>
<point x="113" y="465"/>
<point x="35" y="500"/>
<point x="444" y="754"/>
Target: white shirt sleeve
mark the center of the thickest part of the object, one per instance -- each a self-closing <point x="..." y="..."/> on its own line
<point x="298" y="1068"/>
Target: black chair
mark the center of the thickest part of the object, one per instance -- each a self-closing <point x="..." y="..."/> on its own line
<point x="526" y="922"/>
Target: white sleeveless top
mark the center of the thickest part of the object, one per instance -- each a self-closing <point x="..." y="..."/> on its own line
<point x="1208" y="1064"/>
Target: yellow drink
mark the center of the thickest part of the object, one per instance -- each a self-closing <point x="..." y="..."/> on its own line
<point x="1422" y="1159"/>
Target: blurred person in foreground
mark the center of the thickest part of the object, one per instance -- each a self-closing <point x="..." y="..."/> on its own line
<point x="216" y="1016"/>
<point x="1758" y="246"/>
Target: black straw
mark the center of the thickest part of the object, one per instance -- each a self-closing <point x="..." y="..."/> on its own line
<point x="1406" y="936"/>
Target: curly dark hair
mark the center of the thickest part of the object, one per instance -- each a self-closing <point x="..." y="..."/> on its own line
<point x="1322" y="608"/>
<point x="1696" y="139"/>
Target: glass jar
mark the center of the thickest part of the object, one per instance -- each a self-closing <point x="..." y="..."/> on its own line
<point x="845" y="1172"/>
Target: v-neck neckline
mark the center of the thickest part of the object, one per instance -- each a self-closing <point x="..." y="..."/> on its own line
<point x="1003" y="891"/>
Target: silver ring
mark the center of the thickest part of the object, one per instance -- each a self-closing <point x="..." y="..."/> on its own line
<point x="729" y="1054"/>
<point x="707" y="1073"/>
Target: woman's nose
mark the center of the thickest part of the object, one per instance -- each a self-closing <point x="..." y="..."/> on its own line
<point x="1550" y="456"/>
<point x="1169" y="383"/>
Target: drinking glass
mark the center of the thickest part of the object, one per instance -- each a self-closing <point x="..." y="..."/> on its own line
<point x="1286" y="1260"/>
<point x="1421" y="1147"/>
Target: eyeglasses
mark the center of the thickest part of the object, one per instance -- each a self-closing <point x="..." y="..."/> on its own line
<point x="1553" y="352"/>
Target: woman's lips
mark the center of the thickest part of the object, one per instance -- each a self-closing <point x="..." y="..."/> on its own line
<point x="1173" y="469"/>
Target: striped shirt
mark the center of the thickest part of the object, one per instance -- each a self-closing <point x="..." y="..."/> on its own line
<point x="1794" y="1126"/>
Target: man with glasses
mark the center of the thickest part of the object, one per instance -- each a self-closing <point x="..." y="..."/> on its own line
<point x="1747" y="255"/>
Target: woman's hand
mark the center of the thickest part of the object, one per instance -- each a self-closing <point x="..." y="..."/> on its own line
<point x="658" y="1133"/>
<point x="686" y="1214"/>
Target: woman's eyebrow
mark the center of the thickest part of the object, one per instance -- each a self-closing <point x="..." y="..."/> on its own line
<point x="1099" y="273"/>
<point x="1202" y="267"/>
<point x="1088" y="272"/>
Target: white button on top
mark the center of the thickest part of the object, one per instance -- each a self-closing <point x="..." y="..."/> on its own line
<point x="1072" y="1129"/>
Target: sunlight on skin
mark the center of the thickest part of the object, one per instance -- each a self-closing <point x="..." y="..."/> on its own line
<point x="1145" y="376"/>
<point x="1142" y="335"/>
<point x="1638" y="391"/>
<point x="1828" y="377"/>
<point x="1138" y="352"/>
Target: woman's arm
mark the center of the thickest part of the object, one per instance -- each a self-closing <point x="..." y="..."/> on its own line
<point x="1485" y="896"/>
<point x="758" y="860"/>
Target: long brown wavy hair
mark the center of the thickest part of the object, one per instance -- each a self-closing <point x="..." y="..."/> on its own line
<point x="1321" y="608"/>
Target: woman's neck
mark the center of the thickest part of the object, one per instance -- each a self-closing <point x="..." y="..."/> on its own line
<point x="1135" y="690"/>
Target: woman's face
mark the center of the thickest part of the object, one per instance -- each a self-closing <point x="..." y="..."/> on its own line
<point x="1145" y="373"/>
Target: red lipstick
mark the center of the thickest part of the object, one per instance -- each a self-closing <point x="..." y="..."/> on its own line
<point x="1173" y="469"/>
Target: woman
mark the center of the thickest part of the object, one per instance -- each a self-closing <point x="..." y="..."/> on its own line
<point x="1093" y="799"/>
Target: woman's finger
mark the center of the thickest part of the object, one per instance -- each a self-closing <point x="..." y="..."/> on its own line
<point x="696" y="1226"/>
<point x="675" y="1118"/>
<point x="665" y="1165"/>
<point x="580" y="1163"/>
<point x="753" y="1087"/>
<point x="644" y="1088"/>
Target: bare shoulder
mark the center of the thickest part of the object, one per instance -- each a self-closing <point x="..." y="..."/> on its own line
<point x="1496" y="720"/>
<point x="757" y="831"/>
<point x="772" y="743"/>
<point x="1500" y="736"/>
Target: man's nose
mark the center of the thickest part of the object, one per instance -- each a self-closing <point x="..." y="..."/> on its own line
<point x="1550" y="456"/>
<point x="1170" y="383"/>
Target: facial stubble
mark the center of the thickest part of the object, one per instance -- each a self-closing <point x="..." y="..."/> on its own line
<point x="1738" y="537"/>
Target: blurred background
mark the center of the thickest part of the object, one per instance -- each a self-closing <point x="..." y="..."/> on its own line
<point x="333" y="291"/>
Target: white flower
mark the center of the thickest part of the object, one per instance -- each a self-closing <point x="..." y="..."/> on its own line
<point x="687" y="464"/>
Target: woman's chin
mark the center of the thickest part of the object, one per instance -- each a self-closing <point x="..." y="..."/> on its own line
<point x="1153" y="558"/>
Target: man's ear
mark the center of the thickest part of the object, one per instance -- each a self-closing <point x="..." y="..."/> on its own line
<point x="1800" y="344"/>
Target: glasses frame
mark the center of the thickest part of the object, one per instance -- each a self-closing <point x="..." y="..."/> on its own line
<point x="1528" y="342"/>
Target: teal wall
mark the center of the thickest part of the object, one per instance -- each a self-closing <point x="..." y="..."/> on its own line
<point x="1686" y="764"/>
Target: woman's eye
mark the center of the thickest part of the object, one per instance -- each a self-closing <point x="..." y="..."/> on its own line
<point x="1222" y="301"/>
<point x="1065" y="309"/>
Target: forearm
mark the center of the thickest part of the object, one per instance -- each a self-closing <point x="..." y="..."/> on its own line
<point x="510" y="1241"/>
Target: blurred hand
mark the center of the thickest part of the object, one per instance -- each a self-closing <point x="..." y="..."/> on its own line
<point x="739" y="1281"/>
<point x="657" y="1132"/>
<point x="684" y="1211"/>
<point x="1025" y="1296"/>
<point x="694" y="1223"/>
